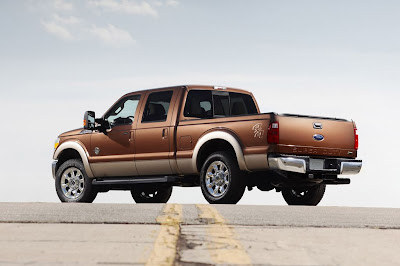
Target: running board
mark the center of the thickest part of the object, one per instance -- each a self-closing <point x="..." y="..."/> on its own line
<point x="338" y="181"/>
<point x="134" y="180"/>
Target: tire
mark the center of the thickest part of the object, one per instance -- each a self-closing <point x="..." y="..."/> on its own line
<point x="73" y="184"/>
<point x="151" y="194"/>
<point x="309" y="196"/>
<point x="221" y="180"/>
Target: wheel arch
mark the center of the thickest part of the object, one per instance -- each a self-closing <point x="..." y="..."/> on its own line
<point x="215" y="141"/>
<point x="73" y="150"/>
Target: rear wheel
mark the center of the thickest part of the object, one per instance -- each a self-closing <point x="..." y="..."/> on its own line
<point x="221" y="180"/>
<point x="310" y="196"/>
<point x="73" y="184"/>
<point x="151" y="194"/>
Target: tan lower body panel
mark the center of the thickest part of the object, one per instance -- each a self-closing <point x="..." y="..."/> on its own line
<point x="185" y="166"/>
<point x="256" y="161"/>
<point x="163" y="166"/>
<point x="112" y="169"/>
<point x="153" y="167"/>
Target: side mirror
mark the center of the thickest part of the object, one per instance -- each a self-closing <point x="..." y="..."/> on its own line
<point x="88" y="120"/>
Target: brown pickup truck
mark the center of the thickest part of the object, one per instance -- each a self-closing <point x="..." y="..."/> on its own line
<point x="212" y="137"/>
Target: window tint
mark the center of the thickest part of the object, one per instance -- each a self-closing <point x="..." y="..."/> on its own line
<point x="208" y="104"/>
<point x="123" y="112"/>
<point x="157" y="106"/>
<point x="242" y="104"/>
<point x="221" y="105"/>
<point x="198" y="104"/>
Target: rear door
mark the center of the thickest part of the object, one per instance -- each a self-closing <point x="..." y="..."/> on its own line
<point x="154" y="134"/>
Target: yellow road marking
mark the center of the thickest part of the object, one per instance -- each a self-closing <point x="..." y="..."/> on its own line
<point x="164" y="250"/>
<point x="223" y="247"/>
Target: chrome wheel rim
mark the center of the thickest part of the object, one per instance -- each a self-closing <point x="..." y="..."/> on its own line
<point x="217" y="179"/>
<point x="72" y="183"/>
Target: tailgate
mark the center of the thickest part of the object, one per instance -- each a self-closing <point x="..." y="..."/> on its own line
<point x="306" y="135"/>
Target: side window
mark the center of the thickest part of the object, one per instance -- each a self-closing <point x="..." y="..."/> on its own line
<point x="221" y="104"/>
<point x="198" y="104"/>
<point x="242" y="104"/>
<point x="157" y="106"/>
<point x="123" y="112"/>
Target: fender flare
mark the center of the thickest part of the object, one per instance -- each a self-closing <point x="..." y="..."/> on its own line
<point x="223" y="135"/>
<point x="75" y="145"/>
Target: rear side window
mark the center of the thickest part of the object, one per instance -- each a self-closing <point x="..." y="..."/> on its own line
<point x="208" y="104"/>
<point x="221" y="104"/>
<point x="157" y="106"/>
<point x="242" y="104"/>
<point x="199" y="104"/>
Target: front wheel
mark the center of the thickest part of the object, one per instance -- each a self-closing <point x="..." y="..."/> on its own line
<point x="151" y="194"/>
<point x="309" y="196"/>
<point x="73" y="184"/>
<point x="221" y="180"/>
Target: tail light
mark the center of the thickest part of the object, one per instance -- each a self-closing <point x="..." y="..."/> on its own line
<point x="355" y="139"/>
<point x="273" y="133"/>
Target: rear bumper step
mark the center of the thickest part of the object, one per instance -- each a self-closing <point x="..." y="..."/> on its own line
<point x="305" y="164"/>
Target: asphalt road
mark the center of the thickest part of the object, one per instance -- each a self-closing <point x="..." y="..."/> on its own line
<point x="175" y="234"/>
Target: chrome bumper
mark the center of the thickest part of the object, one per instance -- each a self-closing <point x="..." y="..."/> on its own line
<point x="301" y="165"/>
<point x="53" y="168"/>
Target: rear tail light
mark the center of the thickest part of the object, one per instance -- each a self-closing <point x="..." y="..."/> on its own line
<point x="273" y="133"/>
<point x="355" y="139"/>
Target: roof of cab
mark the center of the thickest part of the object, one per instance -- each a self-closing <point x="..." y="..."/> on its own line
<point x="192" y="87"/>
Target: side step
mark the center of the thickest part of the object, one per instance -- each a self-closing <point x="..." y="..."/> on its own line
<point x="134" y="180"/>
<point x="338" y="181"/>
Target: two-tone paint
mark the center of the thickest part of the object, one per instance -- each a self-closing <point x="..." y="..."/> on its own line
<point x="173" y="147"/>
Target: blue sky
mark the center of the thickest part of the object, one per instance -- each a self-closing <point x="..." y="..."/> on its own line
<point x="334" y="58"/>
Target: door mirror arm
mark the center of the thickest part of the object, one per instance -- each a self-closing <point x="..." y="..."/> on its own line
<point x="103" y="126"/>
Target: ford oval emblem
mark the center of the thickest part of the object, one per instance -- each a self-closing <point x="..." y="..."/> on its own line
<point x="318" y="137"/>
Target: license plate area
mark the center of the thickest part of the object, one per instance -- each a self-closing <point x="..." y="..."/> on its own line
<point x="317" y="164"/>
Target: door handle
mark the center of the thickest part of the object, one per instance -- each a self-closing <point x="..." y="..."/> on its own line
<point x="131" y="136"/>
<point x="165" y="133"/>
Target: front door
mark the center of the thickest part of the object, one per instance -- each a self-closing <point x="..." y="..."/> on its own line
<point x="112" y="153"/>
<point x="154" y="134"/>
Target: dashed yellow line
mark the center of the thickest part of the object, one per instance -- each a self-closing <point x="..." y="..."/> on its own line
<point x="223" y="246"/>
<point x="164" y="250"/>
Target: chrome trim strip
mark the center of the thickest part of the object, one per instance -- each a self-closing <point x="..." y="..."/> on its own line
<point x="289" y="164"/>
<point x="350" y="168"/>
<point x="224" y="136"/>
<point x="75" y="146"/>
<point x="53" y="168"/>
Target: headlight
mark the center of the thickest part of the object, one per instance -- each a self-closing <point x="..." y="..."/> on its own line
<point x="56" y="143"/>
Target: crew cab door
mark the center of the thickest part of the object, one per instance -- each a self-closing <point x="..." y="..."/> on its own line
<point x="112" y="152"/>
<point x="154" y="134"/>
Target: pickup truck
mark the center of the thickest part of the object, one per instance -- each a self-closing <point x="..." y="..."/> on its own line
<point x="207" y="136"/>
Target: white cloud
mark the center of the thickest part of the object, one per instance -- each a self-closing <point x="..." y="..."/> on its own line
<point x="112" y="35"/>
<point x="125" y="6"/>
<point x="58" y="30"/>
<point x="71" y="20"/>
<point x="63" y="5"/>
<point x="171" y="3"/>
